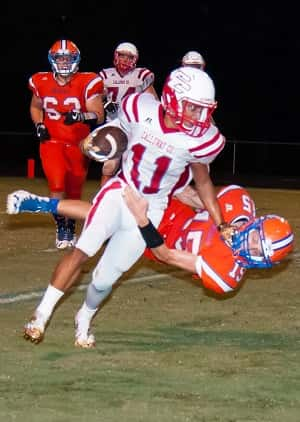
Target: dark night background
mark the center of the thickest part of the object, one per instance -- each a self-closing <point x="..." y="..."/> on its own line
<point x="252" y="54"/>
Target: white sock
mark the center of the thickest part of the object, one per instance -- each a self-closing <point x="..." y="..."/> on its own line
<point x="49" y="300"/>
<point x="86" y="313"/>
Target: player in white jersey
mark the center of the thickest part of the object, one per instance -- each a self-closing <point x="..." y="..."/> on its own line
<point x="124" y="78"/>
<point x="169" y="142"/>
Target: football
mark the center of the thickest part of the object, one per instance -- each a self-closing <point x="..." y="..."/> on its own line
<point x="109" y="141"/>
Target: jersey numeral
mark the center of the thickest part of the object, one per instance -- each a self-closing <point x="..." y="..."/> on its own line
<point x="161" y="165"/>
<point x="113" y="93"/>
<point x="51" y="104"/>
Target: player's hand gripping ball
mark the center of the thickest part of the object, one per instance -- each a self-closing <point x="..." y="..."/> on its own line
<point x="104" y="144"/>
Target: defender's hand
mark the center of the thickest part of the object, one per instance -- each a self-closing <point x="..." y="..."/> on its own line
<point x="137" y="205"/>
<point x="73" y="116"/>
<point x="226" y="231"/>
<point x="42" y="132"/>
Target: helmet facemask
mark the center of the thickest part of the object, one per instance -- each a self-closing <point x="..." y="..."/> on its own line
<point x="125" y="58"/>
<point x="194" y="118"/>
<point x="275" y="242"/>
<point x="188" y="98"/>
<point x="64" y="58"/>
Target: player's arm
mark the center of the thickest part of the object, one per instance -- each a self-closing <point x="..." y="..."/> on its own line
<point x="36" y="110"/>
<point x="37" y="116"/>
<point x="207" y="193"/>
<point x="73" y="208"/>
<point x="95" y="106"/>
<point x="189" y="196"/>
<point x="151" y="90"/>
<point x="138" y="207"/>
<point x="109" y="169"/>
<point x="147" y="85"/>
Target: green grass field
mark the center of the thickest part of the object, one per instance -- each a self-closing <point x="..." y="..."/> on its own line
<point x="167" y="350"/>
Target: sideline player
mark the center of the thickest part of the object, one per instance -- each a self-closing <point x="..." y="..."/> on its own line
<point x="64" y="105"/>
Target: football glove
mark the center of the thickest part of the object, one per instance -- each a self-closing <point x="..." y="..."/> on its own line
<point x="111" y="107"/>
<point x="42" y="132"/>
<point x="73" y="116"/>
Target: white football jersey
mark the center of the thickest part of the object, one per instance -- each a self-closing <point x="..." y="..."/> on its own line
<point x="157" y="159"/>
<point x="117" y="86"/>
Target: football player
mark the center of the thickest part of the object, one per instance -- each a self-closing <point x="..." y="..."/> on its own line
<point x="194" y="59"/>
<point x="64" y="105"/>
<point x="188" y="238"/>
<point x="124" y="78"/>
<point x="169" y="143"/>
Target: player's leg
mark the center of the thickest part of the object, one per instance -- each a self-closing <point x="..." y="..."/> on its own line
<point x="55" y="169"/>
<point x="122" y="251"/>
<point x="101" y="222"/>
<point x="74" y="181"/>
<point x="63" y="277"/>
<point x="21" y="201"/>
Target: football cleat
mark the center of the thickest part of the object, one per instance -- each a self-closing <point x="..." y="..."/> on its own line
<point x="35" y="328"/>
<point x="61" y="244"/>
<point x="61" y="241"/>
<point x="83" y="337"/>
<point x="70" y="235"/>
<point x="87" y="342"/>
<point x="24" y="201"/>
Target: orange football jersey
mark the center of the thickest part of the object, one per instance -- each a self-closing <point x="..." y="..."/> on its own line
<point x="194" y="231"/>
<point x="57" y="100"/>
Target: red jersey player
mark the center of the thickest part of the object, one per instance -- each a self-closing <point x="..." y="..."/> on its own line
<point x="64" y="104"/>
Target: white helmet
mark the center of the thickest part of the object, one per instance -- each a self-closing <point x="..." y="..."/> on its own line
<point x="188" y="97"/>
<point x="128" y="63"/>
<point x="193" y="58"/>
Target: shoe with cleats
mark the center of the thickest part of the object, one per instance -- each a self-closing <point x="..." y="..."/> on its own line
<point x="83" y="337"/>
<point x="24" y="201"/>
<point x="35" y="328"/>
<point x="65" y="233"/>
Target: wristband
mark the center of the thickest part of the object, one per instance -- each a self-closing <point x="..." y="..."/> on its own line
<point x="151" y="236"/>
<point x="90" y="117"/>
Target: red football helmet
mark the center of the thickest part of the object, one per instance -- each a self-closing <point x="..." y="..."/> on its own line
<point x="64" y="57"/>
<point x="276" y="239"/>
<point x="188" y="97"/>
<point x="125" y="57"/>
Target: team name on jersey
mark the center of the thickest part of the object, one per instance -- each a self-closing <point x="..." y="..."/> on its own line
<point x="153" y="140"/>
<point x="118" y="82"/>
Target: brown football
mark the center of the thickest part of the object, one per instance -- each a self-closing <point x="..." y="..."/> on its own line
<point x="109" y="141"/>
